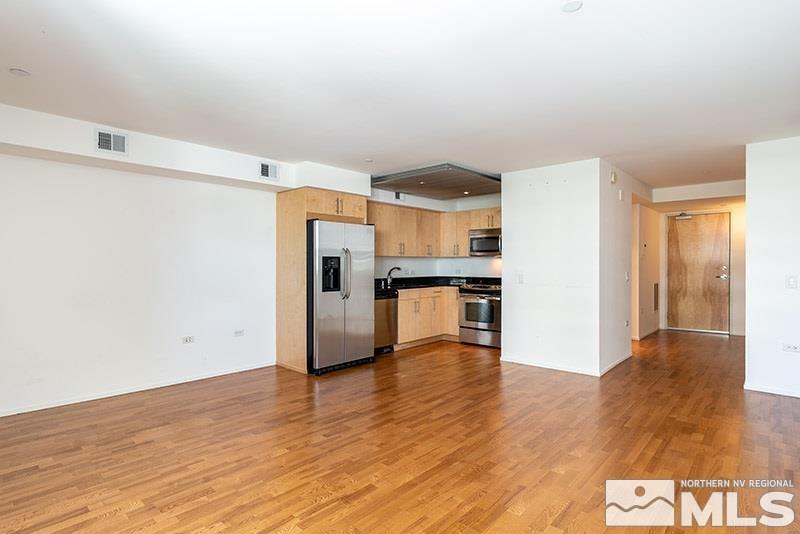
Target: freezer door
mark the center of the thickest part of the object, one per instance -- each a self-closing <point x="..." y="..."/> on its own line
<point x="329" y="292"/>
<point x="359" y="242"/>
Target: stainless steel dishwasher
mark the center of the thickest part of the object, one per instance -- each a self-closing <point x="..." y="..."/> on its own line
<point x="385" y="320"/>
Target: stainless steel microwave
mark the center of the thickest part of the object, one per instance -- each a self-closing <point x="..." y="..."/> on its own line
<point x="485" y="242"/>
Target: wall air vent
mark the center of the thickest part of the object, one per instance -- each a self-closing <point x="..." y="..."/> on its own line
<point x="269" y="170"/>
<point x="116" y="143"/>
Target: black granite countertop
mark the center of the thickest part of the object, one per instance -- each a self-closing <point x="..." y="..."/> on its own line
<point x="414" y="282"/>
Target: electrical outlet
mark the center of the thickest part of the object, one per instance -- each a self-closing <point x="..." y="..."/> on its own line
<point x="187" y="339"/>
<point x="238" y="333"/>
<point x="520" y="278"/>
<point x="788" y="347"/>
<point x="627" y="322"/>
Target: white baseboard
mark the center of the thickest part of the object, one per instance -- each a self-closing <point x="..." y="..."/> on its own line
<point x="615" y="363"/>
<point x="773" y="391"/>
<point x="641" y="337"/>
<point x="124" y="391"/>
<point x="551" y="367"/>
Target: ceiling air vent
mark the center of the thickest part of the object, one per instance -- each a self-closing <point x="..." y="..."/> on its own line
<point x="112" y="142"/>
<point x="269" y="170"/>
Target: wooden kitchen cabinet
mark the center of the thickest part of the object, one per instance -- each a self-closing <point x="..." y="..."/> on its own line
<point x="294" y="208"/>
<point x="404" y="231"/>
<point x="395" y="229"/>
<point x="455" y="234"/>
<point x="385" y="217"/>
<point x="485" y="218"/>
<point x="428" y="225"/>
<point x="324" y="202"/>
<point x="407" y="319"/>
<point x="422" y="313"/>
<point x="450" y="311"/>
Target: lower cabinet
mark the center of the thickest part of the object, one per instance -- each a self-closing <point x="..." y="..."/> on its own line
<point x="426" y="312"/>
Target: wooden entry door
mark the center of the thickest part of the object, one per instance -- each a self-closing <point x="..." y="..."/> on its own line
<point x="698" y="272"/>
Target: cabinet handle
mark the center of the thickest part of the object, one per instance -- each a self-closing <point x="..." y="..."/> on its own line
<point x="454" y="250"/>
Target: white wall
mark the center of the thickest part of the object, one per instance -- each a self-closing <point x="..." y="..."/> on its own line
<point x="732" y="188"/>
<point x="104" y="271"/>
<point x="773" y="309"/>
<point x="646" y="264"/>
<point x="61" y="138"/>
<point x="458" y="204"/>
<point x="738" y="286"/>
<point x="615" y="263"/>
<point x="308" y="173"/>
<point x="551" y="265"/>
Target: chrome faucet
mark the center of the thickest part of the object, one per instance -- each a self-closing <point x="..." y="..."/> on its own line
<point x="389" y="276"/>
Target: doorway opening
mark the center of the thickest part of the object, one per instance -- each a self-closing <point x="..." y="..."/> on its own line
<point x="688" y="266"/>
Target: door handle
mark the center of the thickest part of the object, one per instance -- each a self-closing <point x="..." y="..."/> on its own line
<point x="343" y="275"/>
<point x="723" y="276"/>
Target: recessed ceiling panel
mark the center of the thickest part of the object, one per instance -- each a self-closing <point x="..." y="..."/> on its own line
<point x="442" y="182"/>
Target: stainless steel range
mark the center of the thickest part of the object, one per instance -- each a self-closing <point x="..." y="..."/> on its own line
<point x="479" y="314"/>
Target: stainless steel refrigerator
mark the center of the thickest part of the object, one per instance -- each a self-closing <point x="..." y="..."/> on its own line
<point x="341" y="294"/>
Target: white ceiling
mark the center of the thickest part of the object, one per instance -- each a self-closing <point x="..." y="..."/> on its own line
<point x="669" y="90"/>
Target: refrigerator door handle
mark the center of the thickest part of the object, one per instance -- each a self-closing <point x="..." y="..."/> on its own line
<point x="349" y="272"/>
<point x="343" y="276"/>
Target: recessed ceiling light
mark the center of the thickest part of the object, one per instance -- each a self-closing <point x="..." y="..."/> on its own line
<point x="422" y="183"/>
<point x="572" y="6"/>
<point x="19" y="72"/>
<point x="368" y="160"/>
<point x="466" y="192"/>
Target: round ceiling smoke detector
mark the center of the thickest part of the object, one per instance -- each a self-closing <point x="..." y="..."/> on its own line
<point x="572" y="6"/>
<point x="19" y="72"/>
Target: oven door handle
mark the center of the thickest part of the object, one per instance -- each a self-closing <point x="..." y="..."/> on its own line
<point x="473" y="298"/>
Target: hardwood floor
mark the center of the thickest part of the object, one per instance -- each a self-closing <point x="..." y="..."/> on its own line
<point x="441" y="438"/>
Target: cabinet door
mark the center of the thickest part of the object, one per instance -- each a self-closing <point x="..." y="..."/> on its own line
<point x="462" y="233"/>
<point x="428" y="230"/>
<point x="480" y="219"/>
<point x="384" y="217"/>
<point x="323" y="202"/>
<point x="353" y="206"/>
<point x="448" y="235"/>
<point x="437" y="312"/>
<point x="450" y="311"/>
<point x="407" y="323"/>
<point x="425" y="317"/>
<point x="406" y="229"/>
<point x="495" y="217"/>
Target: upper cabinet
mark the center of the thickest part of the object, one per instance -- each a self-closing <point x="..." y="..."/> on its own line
<point x="484" y="218"/>
<point x="428" y="232"/>
<point x="404" y="231"/>
<point x="395" y="229"/>
<point x="324" y="202"/>
<point x="455" y="233"/>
